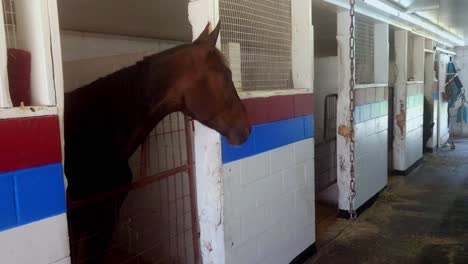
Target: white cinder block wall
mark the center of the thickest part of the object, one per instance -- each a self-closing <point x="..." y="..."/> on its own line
<point x="269" y="205"/>
<point x="414" y="123"/>
<point x="371" y="128"/>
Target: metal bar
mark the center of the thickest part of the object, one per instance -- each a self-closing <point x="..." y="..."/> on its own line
<point x="144" y="159"/>
<point x="193" y="196"/>
<point x="136" y="185"/>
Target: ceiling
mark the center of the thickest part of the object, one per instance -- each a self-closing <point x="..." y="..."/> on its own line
<point x="163" y="19"/>
<point x="448" y="14"/>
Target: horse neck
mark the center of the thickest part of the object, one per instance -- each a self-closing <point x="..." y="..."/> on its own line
<point x="118" y="104"/>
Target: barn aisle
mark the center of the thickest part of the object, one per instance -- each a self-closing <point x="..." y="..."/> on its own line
<point x="421" y="218"/>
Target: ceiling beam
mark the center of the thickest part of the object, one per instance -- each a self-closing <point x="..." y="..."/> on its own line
<point x="389" y="14"/>
<point x="415" y="9"/>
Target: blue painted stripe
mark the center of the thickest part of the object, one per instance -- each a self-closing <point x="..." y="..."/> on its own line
<point x="31" y="195"/>
<point x="268" y="136"/>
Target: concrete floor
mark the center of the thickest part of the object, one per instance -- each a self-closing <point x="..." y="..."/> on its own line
<point x="420" y="218"/>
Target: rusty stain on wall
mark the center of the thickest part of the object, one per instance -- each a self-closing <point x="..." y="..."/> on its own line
<point x="346" y="132"/>
<point x="401" y="119"/>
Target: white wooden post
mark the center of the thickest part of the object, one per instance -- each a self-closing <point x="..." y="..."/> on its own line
<point x="418" y="61"/>
<point x="5" y="100"/>
<point x="429" y="86"/>
<point x="381" y="55"/>
<point x="56" y="50"/>
<point x="33" y="35"/>
<point x="207" y="144"/>
<point x="400" y="92"/>
<point x="344" y="128"/>
<point x="302" y="44"/>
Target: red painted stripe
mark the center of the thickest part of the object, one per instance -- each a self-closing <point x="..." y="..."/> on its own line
<point x="276" y="108"/>
<point x="303" y="104"/>
<point x="29" y="142"/>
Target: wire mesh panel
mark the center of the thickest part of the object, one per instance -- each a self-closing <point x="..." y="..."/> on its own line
<point x="325" y="151"/>
<point x="9" y="17"/>
<point x="155" y="216"/>
<point x="364" y="50"/>
<point x="256" y="38"/>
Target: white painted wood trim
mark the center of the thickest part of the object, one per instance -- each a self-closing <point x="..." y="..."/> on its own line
<point x="343" y="111"/>
<point x="381" y="53"/>
<point x="269" y="93"/>
<point x="302" y="43"/>
<point x="370" y="85"/>
<point x="28" y="111"/>
<point x="5" y="100"/>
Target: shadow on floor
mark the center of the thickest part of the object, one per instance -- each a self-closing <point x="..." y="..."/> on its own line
<point x="420" y="218"/>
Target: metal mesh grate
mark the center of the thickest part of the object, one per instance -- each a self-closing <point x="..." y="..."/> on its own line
<point x="9" y="17"/>
<point x="410" y="58"/>
<point x="256" y="39"/>
<point x="364" y="50"/>
<point x="156" y="214"/>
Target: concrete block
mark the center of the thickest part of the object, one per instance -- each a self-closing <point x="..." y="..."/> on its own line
<point x="282" y="158"/>
<point x="254" y="168"/>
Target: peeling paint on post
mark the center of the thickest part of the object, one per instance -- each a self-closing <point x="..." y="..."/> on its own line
<point x="400" y="93"/>
<point x="345" y="131"/>
<point x="210" y="198"/>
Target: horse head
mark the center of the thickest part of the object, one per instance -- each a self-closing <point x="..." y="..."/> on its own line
<point x="210" y="97"/>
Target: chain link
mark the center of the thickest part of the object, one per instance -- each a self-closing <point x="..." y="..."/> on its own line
<point x="352" y="82"/>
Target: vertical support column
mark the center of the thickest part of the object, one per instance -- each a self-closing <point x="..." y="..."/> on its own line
<point x="345" y="130"/>
<point x="430" y="96"/>
<point x="418" y="61"/>
<point x="400" y="93"/>
<point x="381" y="53"/>
<point x="56" y="50"/>
<point x="5" y="100"/>
<point x="33" y="35"/>
<point x="302" y="44"/>
<point x="207" y="144"/>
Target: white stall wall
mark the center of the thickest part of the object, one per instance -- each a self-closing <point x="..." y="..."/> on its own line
<point x="461" y="63"/>
<point x="371" y="128"/>
<point x="87" y="56"/>
<point x="269" y="205"/>
<point x="44" y="241"/>
<point x="325" y="83"/>
<point x="414" y="123"/>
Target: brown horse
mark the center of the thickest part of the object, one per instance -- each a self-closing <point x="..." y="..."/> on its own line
<point x="107" y="120"/>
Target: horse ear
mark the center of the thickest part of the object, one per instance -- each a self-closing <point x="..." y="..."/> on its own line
<point x="205" y="33"/>
<point x="213" y="37"/>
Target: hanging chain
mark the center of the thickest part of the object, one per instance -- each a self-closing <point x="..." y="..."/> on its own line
<point x="352" y="82"/>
